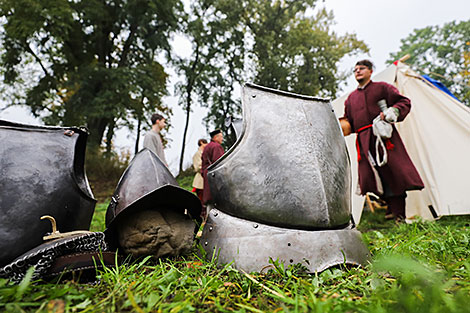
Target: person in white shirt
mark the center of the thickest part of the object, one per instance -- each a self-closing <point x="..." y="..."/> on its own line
<point x="198" y="182"/>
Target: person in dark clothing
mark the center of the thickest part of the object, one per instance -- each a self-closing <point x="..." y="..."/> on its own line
<point x="212" y="152"/>
<point x="390" y="181"/>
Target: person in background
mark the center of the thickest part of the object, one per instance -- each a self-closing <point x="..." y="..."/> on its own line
<point x="212" y="152"/>
<point x="152" y="139"/>
<point x="198" y="181"/>
<point x="390" y="181"/>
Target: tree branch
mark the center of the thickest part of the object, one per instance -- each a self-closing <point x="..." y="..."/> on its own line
<point x="127" y="45"/>
<point x="28" y="48"/>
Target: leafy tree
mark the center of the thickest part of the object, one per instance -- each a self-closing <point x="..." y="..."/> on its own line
<point x="233" y="49"/>
<point x="443" y="53"/>
<point x="295" y="51"/>
<point x="278" y="44"/>
<point x="215" y="61"/>
<point x="90" y="62"/>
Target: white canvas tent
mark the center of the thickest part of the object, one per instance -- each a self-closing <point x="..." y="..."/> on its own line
<point x="436" y="134"/>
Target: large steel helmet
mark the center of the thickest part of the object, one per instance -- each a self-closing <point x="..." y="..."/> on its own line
<point x="289" y="167"/>
<point x="282" y="191"/>
<point x="41" y="173"/>
<point x="147" y="184"/>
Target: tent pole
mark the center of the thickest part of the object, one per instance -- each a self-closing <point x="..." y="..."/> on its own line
<point x="404" y="58"/>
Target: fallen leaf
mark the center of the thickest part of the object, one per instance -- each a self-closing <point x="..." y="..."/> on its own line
<point x="56" y="306"/>
<point x="193" y="264"/>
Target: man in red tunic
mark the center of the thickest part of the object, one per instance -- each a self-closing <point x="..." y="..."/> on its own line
<point x="211" y="153"/>
<point x="392" y="180"/>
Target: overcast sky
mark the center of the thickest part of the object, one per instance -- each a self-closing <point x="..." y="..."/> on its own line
<point x="379" y="23"/>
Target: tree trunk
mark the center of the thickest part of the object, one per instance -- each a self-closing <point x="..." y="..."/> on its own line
<point x="188" y="111"/>
<point x="139" y="125"/>
<point x="109" y="138"/>
<point x="191" y="78"/>
<point x="96" y="127"/>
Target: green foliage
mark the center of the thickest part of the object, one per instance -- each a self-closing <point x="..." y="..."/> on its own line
<point x="271" y="43"/>
<point x="419" y="288"/>
<point x="89" y="62"/>
<point x="104" y="171"/>
<point x="443" y="53"/>
<point x="231" y="53"/>
<point x="215" y="64"/>
<point x="185" y="178"/>
<point x="98" y="221"/>
<point x="294" y="51"/>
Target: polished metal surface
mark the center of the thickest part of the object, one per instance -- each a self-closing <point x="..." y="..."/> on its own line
<point x="43" y="256"/>
<point x="148" y="184"/>
<point x="235" y="125"/>
<point x="251" y="245"/>
<point x="41" y="173"/>
<point x="289" y="167"/>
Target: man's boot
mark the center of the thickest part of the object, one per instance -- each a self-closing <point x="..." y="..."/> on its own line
<point x="396" y="205"/>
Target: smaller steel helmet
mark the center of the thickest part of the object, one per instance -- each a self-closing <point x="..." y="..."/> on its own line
<point x="147" y="184"/>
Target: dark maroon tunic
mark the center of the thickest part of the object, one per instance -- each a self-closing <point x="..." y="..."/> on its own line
<point x="211" y="153"/>
<point x="360" y="109"/>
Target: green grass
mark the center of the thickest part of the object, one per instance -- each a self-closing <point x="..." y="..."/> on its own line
<point x="186" y="182"/>
<point x="98" y="221"/>
<point x="420" y="267"/>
